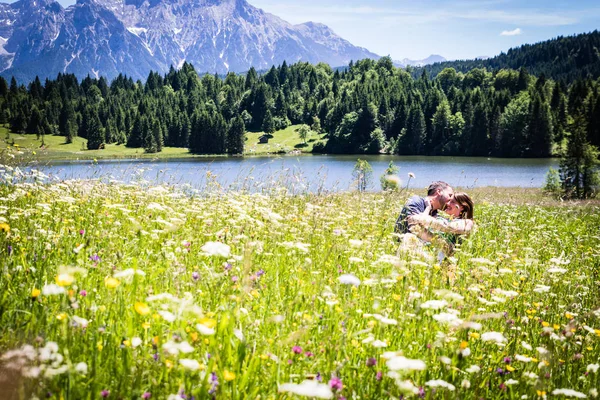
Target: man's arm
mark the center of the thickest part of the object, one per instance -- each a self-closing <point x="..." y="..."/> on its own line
<point x="413" y="206"/>
<point x="457" y="226"/>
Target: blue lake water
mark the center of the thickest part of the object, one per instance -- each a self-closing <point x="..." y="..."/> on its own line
<point x="309" y="172"/>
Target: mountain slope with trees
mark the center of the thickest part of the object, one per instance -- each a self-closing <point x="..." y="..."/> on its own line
<point x="565" y="58"/>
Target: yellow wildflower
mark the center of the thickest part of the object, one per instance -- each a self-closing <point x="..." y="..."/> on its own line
<point x="146" y="325"/>
<point x="111" y="282"/>
<point x="545" y="324"/>
<point x="35" y="293"/>
<point x="64" y="279"/>
<point x="509" y="368"/>
<point x="142" y="308"/>
<point x="208" y="322"/>
<point x="4" y="227"/>
<point x="229" y="376"/>
<point x="61" y="316"/>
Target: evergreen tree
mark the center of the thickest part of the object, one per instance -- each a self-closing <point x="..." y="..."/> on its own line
<point x="523" y="81"/>
<point x="578" y="164"/>
<point x="539" y="129"/>
<point x="236" y="136"/>
<point x="480" y="142"/>
<point x="268" y="125"/>
<point x="34" y="125"/>
<point x="95" y="133"/>
<point x="411" y="141"/>
<point x="67" y="115"/>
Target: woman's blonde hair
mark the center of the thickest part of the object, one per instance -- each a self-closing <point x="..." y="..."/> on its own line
<point x="466" y="204"/>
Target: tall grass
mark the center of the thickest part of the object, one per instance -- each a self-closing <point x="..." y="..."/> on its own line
<point x="140" y="291"/>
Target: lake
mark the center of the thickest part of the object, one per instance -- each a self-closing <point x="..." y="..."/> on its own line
<point x="308" y="172"/>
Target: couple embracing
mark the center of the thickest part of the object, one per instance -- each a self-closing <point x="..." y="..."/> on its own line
<point x="421" y="221"/>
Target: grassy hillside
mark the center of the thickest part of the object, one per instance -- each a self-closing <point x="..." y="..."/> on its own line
<point x="283" y="141"/>
<point x="55" y="148"/>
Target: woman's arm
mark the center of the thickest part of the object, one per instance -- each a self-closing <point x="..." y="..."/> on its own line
<point x="457" y="226"/>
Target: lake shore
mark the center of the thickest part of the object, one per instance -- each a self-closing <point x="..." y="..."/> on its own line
<point x="27" y="147"/>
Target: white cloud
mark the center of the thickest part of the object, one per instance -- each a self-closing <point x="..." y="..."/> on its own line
<point x="514" y="32"/>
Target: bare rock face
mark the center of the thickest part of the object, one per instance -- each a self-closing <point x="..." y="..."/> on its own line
<point x="133" y="37"/>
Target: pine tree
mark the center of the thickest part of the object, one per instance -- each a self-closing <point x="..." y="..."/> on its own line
<point x="480" y="143"/>
<point x="268" y="125"/>
<point x="578" y="164"/>
<point x="236" y="136"/>
<point x="34" y="125"/>
<point x="95" y="133"/>
<point x="411" y="141"/>
<point x="539" y="129"/>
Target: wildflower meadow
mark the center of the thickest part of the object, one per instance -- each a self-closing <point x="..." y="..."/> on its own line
<point x="129" y="291"/>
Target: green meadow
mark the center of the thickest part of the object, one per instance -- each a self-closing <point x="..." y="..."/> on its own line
<point x="139" y="291"/>
<point x="29" y="147"/>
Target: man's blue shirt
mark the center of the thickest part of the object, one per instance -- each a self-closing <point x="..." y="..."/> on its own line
<point x="414" y="205"/>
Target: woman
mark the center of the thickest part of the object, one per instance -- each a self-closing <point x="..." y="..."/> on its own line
<point x="445" y="232"/>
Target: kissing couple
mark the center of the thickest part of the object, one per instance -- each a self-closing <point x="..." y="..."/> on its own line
<point x="438" y="220"/>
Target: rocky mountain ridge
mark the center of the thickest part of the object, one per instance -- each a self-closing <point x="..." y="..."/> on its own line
<point x="108" y="37"/>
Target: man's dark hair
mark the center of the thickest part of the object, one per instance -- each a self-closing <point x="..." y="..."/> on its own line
<point x="435" y="186"/>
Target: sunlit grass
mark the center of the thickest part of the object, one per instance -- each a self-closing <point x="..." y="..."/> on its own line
<point x="55" y="148"/>
<point x="151" y="291"/>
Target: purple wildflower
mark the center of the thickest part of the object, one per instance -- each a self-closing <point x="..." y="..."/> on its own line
<point x="379" y="375"/>
<point x="507" y="360"/>
<point x="82" y="232"/>
<point x="371" y="361"/>
<point x="336" y="383"/>
<point x="214" y="382"/>
<point x="319" y="378"/>
<point x="195" y="275"/>
<point x="83" y="293"/>
<point x="234" y="278"/>
<point x="95" y="258"/>
<point x="105" y="393"/>
<point x="10" y="250"/>
<point x="146" y="395"/>
<point x="297" y="349"/>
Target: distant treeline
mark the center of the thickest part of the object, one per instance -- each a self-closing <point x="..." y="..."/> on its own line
<point x="370" y="107"/>
<point x="563" y="59"/>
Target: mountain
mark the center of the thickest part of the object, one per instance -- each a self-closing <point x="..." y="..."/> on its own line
<point x="434" y="58"/>
<point x="133" y="37"/>
<point x="564" y="58"/>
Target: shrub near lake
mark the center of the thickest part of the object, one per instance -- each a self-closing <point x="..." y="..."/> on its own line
<point x="130" y="291"/>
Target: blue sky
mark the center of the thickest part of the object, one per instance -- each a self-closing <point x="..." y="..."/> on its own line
<point x="455" y="29"/>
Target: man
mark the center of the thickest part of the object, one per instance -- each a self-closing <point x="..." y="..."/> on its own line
<point x="438" y="194"/>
